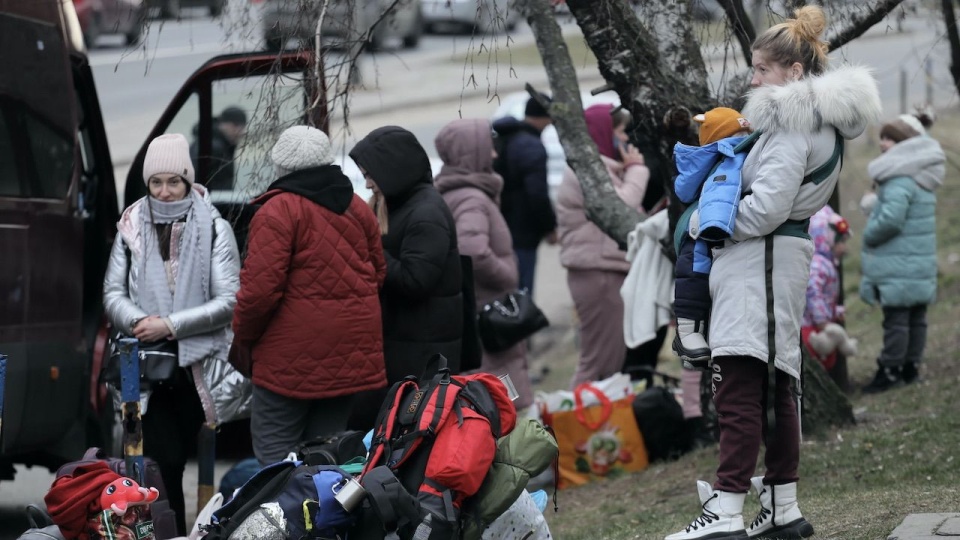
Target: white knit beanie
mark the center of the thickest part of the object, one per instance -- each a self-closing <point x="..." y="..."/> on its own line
<point x="301" y="147"/>
<point x="913" y="122"/>
<point x="168" y="154"/>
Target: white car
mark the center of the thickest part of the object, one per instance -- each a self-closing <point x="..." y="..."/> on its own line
<point x="514" y="104"/>
<point x="484" y="16"/>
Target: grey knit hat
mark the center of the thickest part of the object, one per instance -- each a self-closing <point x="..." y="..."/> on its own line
<point x="301" y="147"/>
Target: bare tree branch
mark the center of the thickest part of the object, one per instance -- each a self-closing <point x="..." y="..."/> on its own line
<point x="862" y="21"/>
<point x="740" y="24"/>
<point x="950" y="20"/>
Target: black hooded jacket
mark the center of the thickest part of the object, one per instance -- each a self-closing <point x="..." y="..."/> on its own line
<point x="421" y="300"/>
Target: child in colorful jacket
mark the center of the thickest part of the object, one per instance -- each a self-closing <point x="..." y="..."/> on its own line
<point x="820" y="332"/>
<point x="715" y="202"/>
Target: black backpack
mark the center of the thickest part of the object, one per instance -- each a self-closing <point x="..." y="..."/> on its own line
<point x="660" y="419"/>
<point x="334" y="449"/>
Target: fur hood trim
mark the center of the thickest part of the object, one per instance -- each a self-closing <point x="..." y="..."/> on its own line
<point x="847" y="98"/>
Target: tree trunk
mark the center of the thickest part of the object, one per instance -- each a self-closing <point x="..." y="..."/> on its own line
<point x="950" y="20"/>
<point x="824" y="404"/>
<point x="602" y="204"/>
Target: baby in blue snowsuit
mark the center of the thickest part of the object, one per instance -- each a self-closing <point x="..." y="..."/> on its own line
<point x="709" y="181"/>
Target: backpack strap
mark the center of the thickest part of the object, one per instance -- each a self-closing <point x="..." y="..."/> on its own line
<point x="386" y="421"/>
<point x="824" y="171"/>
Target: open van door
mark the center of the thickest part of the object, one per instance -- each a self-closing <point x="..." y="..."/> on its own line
<point x="232" y="109"/>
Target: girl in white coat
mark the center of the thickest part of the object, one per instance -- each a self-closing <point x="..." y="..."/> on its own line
<point x="759" y="277"/>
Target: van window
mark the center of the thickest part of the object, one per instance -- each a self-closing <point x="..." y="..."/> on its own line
<point x="250" y="113"/>
<point x="52" y="157"/>
<point x="9" y="181"/>
<point x="35" y="160"/>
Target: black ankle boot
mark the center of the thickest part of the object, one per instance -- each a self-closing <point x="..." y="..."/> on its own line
<point x="909" y="373"/>
<point x="885" y="379"/>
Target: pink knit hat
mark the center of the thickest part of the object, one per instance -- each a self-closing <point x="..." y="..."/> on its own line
<point x="168" y="154"/>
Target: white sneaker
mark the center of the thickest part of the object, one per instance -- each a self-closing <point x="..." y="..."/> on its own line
<point x="779" y="515"/>
<point x="722" y="517"/>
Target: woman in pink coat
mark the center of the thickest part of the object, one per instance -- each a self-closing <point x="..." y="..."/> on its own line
<point x="596" y="267"/>
<point x="472" y="191"/>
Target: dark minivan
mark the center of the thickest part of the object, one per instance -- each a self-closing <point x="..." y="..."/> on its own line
<point x="59" y="206"/>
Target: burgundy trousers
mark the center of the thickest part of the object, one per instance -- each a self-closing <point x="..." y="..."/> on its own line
<point x="739" y="391"/>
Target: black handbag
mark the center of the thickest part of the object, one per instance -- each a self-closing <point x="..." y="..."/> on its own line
<point x="508" y="321"/>
<point x="158" y="362"/>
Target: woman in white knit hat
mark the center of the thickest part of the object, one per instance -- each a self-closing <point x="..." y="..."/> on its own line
<point x="173" y="276"/>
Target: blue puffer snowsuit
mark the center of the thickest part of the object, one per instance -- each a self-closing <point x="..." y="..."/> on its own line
<point x="720" y="195"/>
<point x="899" y="241"/>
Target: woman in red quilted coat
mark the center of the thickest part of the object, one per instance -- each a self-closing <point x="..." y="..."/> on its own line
<point x="472" y="191"/>
<point x="308" y="310"/>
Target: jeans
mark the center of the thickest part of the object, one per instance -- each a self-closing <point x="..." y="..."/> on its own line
<point x="527" y="265"/>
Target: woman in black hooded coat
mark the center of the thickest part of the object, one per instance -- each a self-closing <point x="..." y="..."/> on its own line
<point x="421" y="299"/>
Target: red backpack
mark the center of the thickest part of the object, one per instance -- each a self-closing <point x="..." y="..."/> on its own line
<point x="433" y="444"/>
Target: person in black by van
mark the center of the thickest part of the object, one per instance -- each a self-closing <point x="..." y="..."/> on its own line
<point x="421" y="299"/>
<point x="228" y="129"/>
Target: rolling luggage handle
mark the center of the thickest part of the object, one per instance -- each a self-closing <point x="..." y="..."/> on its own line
<point x="131" y="421"/>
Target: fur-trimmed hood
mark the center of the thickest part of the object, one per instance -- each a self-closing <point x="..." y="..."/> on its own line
<point x="847" y="98"/>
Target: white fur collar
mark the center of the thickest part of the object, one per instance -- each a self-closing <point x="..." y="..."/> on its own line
<point x="846" y="97"/>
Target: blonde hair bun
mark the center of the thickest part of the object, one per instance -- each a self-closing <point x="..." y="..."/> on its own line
<point x="809" y="22"/>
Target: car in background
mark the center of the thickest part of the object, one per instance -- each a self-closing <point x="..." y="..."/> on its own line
<point x="345" y="22"/>
<point x="99" y="17"/>
<point x="483" y="16"/>
<point x="170" y="9"/>
<point x="513" y="105"/>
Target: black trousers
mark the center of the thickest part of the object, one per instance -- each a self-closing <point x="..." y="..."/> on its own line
<point x="642" y="360"/>
<point x="692" y="286"/>
<point x="170" y="427"/>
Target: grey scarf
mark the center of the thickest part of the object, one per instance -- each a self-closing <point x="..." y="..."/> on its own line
<point x="183" y="281"/>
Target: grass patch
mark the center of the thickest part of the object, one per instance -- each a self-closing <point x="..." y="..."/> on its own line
<point x="856" y="483"/>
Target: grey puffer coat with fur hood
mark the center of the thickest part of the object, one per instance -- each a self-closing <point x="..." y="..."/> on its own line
<point x="799" y="122"/>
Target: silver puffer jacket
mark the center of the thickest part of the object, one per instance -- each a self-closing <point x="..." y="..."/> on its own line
<point x="224" y="393"/>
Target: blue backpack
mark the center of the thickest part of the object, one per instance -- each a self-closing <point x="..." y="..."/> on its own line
<point x="304" y="493"/>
